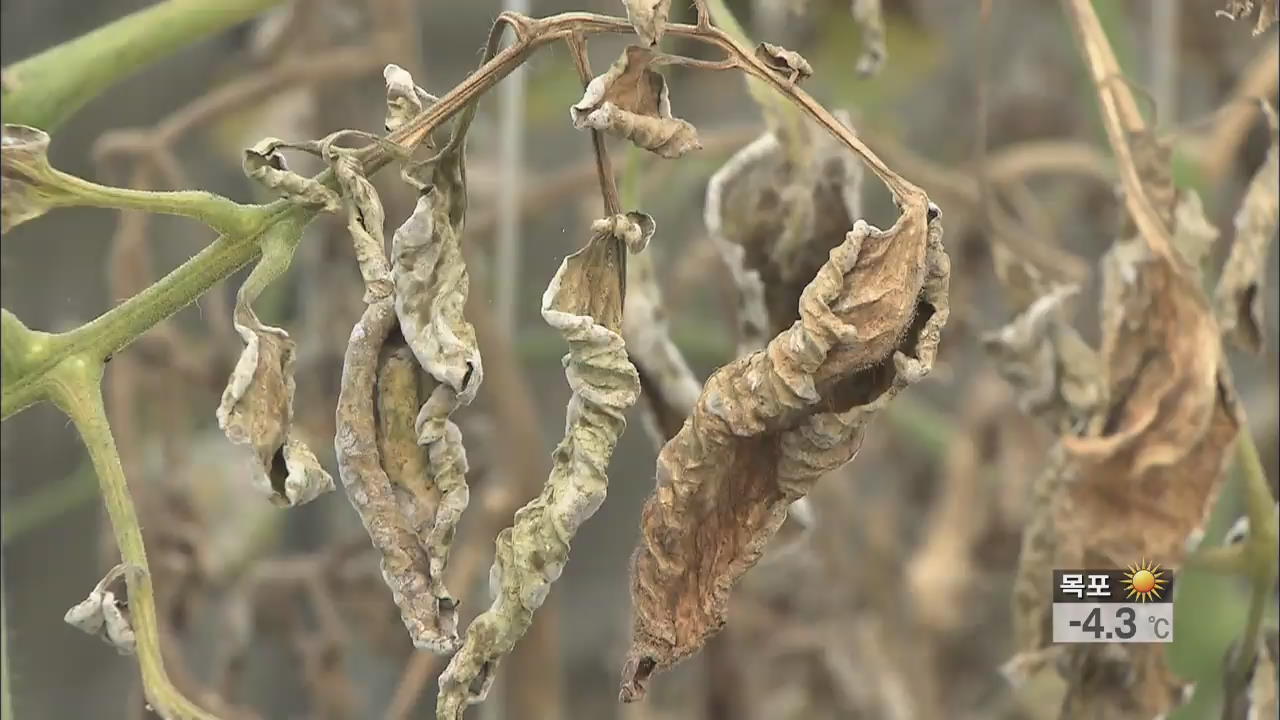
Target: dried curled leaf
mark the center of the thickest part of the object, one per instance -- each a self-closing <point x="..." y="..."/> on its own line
<point x="1239" y="294"/>
<point x="428" y="613"/>
<point x="404" y="98"/>
<point x="365" y="217"/>
<point x="24" y="175"/>
<point x="649" y="18"/>
<point x="784" y="62"/>
<point x="1055" y="373"/>
<point x="102" y="614"/>
<point x="1268" y="12"/>
<point x="532" y="552"/>
<point x="774" y="211"/>
<point x="264" y="163"/>
<point x="404" y="460"/>
<point x="630" y="100"/>
<point x="768" y="425"/>
<point x="870" y="17"/>
<point x="256" y="411"/>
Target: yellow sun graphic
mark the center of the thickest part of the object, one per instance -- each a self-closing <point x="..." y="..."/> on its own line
<point x="1145" y="581"/>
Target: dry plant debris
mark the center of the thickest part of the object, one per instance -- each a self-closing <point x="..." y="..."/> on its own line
<point x="630" y="100"/>
<point x="102" y="614"/>
<point x="768" y="425"/>
<point x="870" y="16"/>
<point x="1268" y="12"/>
<point x="266" y="164"/>
<point x="531" y="554"/>
<point x="256" y="409"/>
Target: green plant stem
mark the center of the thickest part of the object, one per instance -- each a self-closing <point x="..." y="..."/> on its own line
<point x="225" y="216"/>
<point x="116" y="328"/>
<point x="1259" y="549"/>
<point x="75" y="387"/>
<point x="48" y="87"/>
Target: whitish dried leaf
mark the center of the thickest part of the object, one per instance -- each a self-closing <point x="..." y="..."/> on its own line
<point x="24" y="175"/>
<point x="649" y="18"/>
<point x="265" y="164"/>
<point x="1055" y="373"/>
<point x="1194" y="235"/>
<point x="102" y="614"/>
<point x="870" y="17"/>
<point x="256" y="411"/>
<point x="774" y="211"/>
<point x="1268" y="12"/>
<point x="630" y="100"/>
<point x="427" y="611"/>
<point x="768" y="425"/>
<point x="1239" y="294"/>
<point x="788" y="63"/>
<point x="404" y="98"/>
<point x="365" y="218"/>
<point x="532" y="552"/>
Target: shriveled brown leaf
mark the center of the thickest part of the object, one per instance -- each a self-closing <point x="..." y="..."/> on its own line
<point x="428" y="613"/>
<point x="1268" y="12"/>
<point x="264" y="163"/>
<point x="1240" y="290"/>
<point x="649" y="18"/>
<point x="24" y="173"/>
<point x="630" y="101"/>
<point x="256" y="411"/>
<point x="531" y="554"/>
<point x="1055" y="373"/>
<point x="405" y="461"/>
<point x="788" y="63"/>
<point x="768" y="425"/>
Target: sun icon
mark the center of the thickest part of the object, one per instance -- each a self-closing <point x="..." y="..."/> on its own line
<point x="1145" y="581"/>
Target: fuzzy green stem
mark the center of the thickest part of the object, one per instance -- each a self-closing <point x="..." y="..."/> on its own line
<point x="225" y="216"/>
<point x="116" y="328"/>
<point x="48" y="87"/>
<point x="1259" y="549"/>
<point x="75" y="387"/>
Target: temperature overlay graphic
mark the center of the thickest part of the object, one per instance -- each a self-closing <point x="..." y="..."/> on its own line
<point x="1134" y="605"/>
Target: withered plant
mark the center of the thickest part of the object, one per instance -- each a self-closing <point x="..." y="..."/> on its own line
<point x="871" y="305"/>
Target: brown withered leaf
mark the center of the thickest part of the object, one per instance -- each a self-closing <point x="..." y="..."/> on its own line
<point x="256" y="411"/>
<point x="595" y="285"/>
<point x="1172" y="412"/>
<point x="428" y="614"/>
<point x="649" y="18"/>
<point x="768" y="425"/>
<point x="404" y="460"/>
<point x="24" y="175"/>
<point x="787" y="63"/>
<point x="1238" y="297"/>
<point x="265" y="164"/>
<point x="630" y="100"/>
